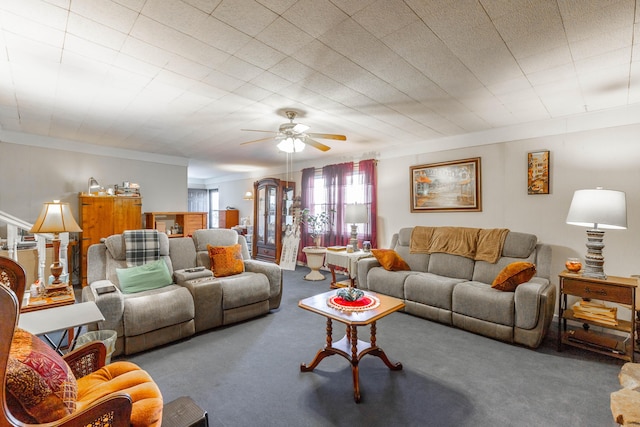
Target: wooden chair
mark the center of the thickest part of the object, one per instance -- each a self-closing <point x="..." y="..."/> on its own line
<point x="113" y="410"/>
<point x="13" y="276"/>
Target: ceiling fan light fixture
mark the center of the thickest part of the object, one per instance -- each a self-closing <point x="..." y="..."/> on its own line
<point x="291" y="145"/>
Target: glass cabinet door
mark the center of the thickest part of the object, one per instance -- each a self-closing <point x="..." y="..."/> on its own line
<point x="271" y="216"/>
<point x="262" y="215"/>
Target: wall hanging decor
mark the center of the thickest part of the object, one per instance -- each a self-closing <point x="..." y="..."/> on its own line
<point x="446" y="187"/>
<point x="538" y="172"/>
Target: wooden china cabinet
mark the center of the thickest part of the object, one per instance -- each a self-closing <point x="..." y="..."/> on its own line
<point x="272" y="212"/>
<point x="102" y="216"/>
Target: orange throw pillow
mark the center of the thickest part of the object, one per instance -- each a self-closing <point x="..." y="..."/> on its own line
<point x="226" y="260"/>
<point x="513" y="275"/>
<point x="390" y="260"/>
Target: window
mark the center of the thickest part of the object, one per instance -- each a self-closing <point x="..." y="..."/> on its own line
<point x="214" y="206"/>
<point x="197" y="200"/>
<point x="331" y="188"/>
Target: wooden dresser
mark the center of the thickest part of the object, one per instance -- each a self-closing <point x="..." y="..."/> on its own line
<point x="228" y="218"/>
<point x="102" y="216"/>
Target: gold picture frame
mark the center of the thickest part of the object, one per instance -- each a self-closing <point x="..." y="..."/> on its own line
<point x="538" y="172"/>
<point x="446" y="187"/>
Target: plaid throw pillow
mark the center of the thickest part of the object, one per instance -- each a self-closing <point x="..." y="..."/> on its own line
<point x="141" y="246"/>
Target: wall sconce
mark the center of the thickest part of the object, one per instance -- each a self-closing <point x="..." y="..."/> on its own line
<point x="248" y="195"/>
<point x="600" y="209"/>
<point x="355" y="214"/>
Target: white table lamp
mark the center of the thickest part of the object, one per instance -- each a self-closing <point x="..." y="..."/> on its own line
<point x="355" y="214"/>
<point x="56" y="218"/>
<point x="598" y="209"/>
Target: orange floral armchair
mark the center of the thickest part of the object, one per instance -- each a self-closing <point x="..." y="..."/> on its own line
<point x="39" y="387"/>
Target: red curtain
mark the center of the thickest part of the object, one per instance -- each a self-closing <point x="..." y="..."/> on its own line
<point x="306" y="201"/>
<point x="337" y="179"/>
<point x="367" y="169"/>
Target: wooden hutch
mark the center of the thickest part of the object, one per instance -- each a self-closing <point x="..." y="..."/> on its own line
<point x="272" y="212"/>
<point x="102" y="216"/>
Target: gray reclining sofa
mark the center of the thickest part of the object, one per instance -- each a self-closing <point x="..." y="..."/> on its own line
<point x="195" y="301"/>
<point x="457" y="291"/>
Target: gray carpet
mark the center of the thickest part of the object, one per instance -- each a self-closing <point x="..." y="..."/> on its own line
<point x="248" y="374"/>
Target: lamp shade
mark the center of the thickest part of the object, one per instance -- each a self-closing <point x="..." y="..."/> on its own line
<point x="356" y="214"/>
<point x="291" y="145"/>
<point x="55" y="217"/>
<point x="598" y="208"/>
<point x="248" y="195"/>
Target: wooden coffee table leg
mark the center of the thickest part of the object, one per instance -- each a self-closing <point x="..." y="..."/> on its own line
<point x="326" y="351"/>
<point x="378" y="352"/>
<point x="355" y="371"/>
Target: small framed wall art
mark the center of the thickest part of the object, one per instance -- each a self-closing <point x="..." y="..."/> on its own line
<point x="538" y="172"/>
<point x="446" y="187"/>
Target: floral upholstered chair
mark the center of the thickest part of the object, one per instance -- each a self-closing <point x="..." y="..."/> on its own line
<point x="40" y="386"/>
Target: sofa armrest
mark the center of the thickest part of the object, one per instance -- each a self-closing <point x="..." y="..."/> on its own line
<point x="528" y="299"/>
<point x="364" y="265"/>
<point x="111" y="304"/>
<point x="274" y="275"/>
<point x="181" y="276"/>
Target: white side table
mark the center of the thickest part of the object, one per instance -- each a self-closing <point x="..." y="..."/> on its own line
<point x="345" y="261"/>
<point x="43" y="322"/>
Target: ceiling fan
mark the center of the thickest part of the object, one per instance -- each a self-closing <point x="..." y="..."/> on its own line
<point x="293" y="137"/>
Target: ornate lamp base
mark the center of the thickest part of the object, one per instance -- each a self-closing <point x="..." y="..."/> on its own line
<point x="594" y="261"/>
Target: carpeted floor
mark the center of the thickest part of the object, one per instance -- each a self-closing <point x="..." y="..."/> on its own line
<point x="248" y="374"/>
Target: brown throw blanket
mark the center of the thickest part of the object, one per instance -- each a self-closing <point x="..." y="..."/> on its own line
<point x="476" y="243"/>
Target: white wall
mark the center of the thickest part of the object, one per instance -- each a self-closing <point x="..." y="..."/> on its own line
<point x="609" y="158"/>
<point x="32" y="175"/>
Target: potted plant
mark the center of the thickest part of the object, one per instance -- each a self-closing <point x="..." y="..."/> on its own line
<point x="316" y="224"/>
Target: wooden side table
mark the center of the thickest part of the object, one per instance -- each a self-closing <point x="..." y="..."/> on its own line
<point x="619" y="290"/>
<point x="43" y="302"/>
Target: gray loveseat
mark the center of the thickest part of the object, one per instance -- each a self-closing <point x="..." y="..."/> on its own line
<point x="457" y="291"/>
<point x="194" y="302"/>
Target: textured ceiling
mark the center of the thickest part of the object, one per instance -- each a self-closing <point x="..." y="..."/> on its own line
<point x="181" y="78"/>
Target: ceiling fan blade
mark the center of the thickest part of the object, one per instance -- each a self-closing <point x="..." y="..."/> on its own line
<point x="316" y="144"/>
<point x="257" y="140"/>
<point x="299" y="128"/>
<point x="328" y="136"/>
<point x="256" y="130"/>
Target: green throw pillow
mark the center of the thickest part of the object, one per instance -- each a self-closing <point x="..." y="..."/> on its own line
<point x="151" y="275"/>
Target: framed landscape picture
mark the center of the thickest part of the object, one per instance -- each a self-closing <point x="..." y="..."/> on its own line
<point x="446" y="187"/>
<point x="538" y="172"/>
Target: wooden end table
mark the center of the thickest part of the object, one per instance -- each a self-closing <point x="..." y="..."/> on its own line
<point x="618" y="290"/>
<point x="350" y="347"/>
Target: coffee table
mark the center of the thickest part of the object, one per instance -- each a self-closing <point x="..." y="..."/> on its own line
<point x="350" y="347"/>
<point x="63" y="318"/>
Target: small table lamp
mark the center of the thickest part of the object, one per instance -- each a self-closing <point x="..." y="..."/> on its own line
<point x="55" y="218"/>
<point x="355" y="214"/>
<point x="600" y="209"/>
